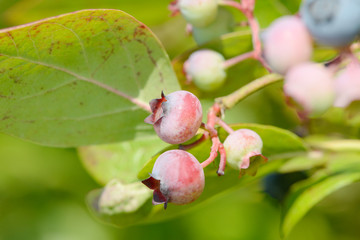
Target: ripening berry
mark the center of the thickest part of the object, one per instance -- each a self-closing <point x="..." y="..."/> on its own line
<point x="199" y="13"/>
<point x="311" y="86"/>
<point x="347" y="85"/>
<point x="332" y="22"/>
<point x="177" y="177"/>
<point x="287" y="42"/>
<point x="240" y="146"/>
<point x="224" y="23"/>
<point x="176" y="117"/>
<point x="206" y="69"/>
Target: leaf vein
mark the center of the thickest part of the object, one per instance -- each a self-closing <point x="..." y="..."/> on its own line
<point x="46" y="91"/>
<point x="136" y="101"/>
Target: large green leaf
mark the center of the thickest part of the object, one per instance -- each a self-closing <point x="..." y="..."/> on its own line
<point x="81" y="78"/>
<point x="301" y="200"/>
<point x="286" y="145"/>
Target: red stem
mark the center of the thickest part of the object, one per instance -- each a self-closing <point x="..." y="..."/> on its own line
<point x="248" y="10"/>
<point x="235" y="60"/>
<point x="217" y="146"/>
<point x="224" y="125"/>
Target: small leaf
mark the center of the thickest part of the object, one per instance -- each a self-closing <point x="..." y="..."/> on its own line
<point x="81" y="78"/>
<point x="299" y="202"/>
<point x="120" y="161"/>
<point x="255" y="163"/>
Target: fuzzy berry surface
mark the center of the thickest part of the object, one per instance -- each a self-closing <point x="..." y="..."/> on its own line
<point x="181" y="177"/>
<point x="206" y="69"/>
<point x="176" y="117"/>
<point x="311" y="86"/>
<point x="199" y="13"/>
<point x="240" y="146"/>
<point x="332" y="22"/>
<point x="347" y="85"/>
<point x="287" y="42"/>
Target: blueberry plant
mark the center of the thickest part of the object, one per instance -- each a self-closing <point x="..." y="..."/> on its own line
<point x="100" y="81"/>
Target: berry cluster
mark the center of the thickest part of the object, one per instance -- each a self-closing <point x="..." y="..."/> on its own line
<point x="286" y="49"/>
<point x="177" y="176"/>
<point x="288" y="44"/>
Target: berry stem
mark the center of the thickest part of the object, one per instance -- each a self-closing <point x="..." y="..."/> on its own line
<point x="232" y="99"/>
<point x="217" y="146"/>
<point x="227" y="102"/>
<point x="235" y="60"/>
<point x="224" y="125"/>
<point x="213" y="153"/>
<point x="247" y="8"/>
<point x="234" y="4"/>
<point x="222" y="164"/>
<point x="173" y="7"/>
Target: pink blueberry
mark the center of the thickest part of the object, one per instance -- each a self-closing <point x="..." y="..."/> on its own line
<point x="176" y="117"/>
<point x="287" y="42"/>
<point x="240" y="146"/>
<point x="311" y="86"/>
<point x="347" y="85"/>
<point x="206" y="68"/>
<point x="199" y="13"/>
<point x="177" y="177"/>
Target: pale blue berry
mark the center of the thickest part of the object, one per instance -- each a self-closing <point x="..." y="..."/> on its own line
<point x="332" y="22"/>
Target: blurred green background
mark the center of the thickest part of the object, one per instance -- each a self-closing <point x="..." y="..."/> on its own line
<point x="42" y="190"/>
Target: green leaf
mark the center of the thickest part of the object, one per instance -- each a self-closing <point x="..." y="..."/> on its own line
<point x="255" y="162"/>
<point x="81" y="78"/>
<point x="120" y="161"/>
<point x="338" y="145"/>
<point x="312" y="160"/>
<point x="300" y="201"/>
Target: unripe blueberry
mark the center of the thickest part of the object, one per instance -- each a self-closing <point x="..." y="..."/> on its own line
<point x="177" y="177"/>
<point x="347" y="85"/>
<point x="240" y="146"/>
<point x="311" y="86"/>
<point x="199" y="13"/>
<point x="176" y="117"/>
<point x="224" y="23"/>
<point x="206" y="69"/>
<point x="332" y="22"/>
<point x="287" y="42"/>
